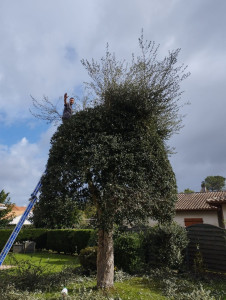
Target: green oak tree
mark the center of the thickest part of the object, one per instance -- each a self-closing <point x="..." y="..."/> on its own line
<point x="5" y="216"/>
<point x="214" y="183"/>
<point x="188" y="191"/>
<point x="113" y="155"/>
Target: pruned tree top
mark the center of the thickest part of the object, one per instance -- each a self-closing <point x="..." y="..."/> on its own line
<point x="154" y="83"/>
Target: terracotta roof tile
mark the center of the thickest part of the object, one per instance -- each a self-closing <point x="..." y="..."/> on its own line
<point x="200" y="201"/>
<point x="17" y="210"/>
<point x="215" y="201"/>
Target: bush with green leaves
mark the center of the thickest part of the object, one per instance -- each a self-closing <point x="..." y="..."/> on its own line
<point x="183" y="286"/>
<point x="164" y="245"/>
<point x="4" y="235"/>
<point x="68" y="240"/>
<point x="88" y="259"/>
<point x="128" y="252"/>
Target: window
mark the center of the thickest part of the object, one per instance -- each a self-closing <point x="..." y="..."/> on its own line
<point x="191" y="221"/>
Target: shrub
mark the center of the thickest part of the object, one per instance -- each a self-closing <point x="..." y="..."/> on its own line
<point x="128" y="252"/>
<point x="68" y="240"/>
<point x="88" y="259"/>
<point x="4" y="235"/>
<point x="82" y="238"/>
<point x="60" y="240"/>
<point x="164" y="245"/>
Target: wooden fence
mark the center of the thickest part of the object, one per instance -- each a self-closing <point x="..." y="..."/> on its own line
<point x="209" y="242"/>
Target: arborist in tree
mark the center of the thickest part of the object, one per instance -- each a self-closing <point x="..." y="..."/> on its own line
<point x="67" y="113"/>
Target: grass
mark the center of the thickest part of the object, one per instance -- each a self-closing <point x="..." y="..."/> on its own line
<point x="137" y="288"/>
<point x="78" y="286"/>
<point x="52" y="262"/>
<point x="43" y="275"/>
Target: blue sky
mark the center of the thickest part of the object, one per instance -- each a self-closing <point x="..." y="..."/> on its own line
<point x="43" y="42"/>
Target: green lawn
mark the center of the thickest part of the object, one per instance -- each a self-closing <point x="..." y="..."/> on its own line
<point x="52" y="262"/>
<point x="78" y="286"/>
<point x="49" y="272"/>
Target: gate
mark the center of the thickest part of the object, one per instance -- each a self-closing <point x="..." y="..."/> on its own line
<point x="210" y="242"/>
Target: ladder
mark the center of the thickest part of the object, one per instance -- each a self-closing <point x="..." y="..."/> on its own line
<point x="18" y="227"/>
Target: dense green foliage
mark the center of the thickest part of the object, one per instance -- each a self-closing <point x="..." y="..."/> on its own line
<point x="214" y="183"/>
<point x="112" y="159"/>
<point x="37" y="235"/>
<point x="5" y="216"/>
<point x="159" y="246"/>
<point x="113" y="155"/>
<point x="56" y="212"/>
<point x="129" y="252"/>
<point x="188" y="191"/>
<point x="88" y="259"/>
<point x="68" y="241"/>
<point x="4" y="235"/>
<point x="164" y="245"/>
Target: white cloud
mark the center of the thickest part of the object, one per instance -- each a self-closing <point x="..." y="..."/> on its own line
<point x="22" y="165"/>
<point x="42" y="43"/>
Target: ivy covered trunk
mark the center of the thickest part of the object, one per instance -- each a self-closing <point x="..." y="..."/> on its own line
<point x="105" y="259"/>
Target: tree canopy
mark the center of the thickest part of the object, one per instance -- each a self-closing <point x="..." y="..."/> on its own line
<point x="112" y="159"/>
<point x="188" y="191"/>
<point x="214" y="183"/>
<point x="5" y="218"/>
<point x="113" y="154"/>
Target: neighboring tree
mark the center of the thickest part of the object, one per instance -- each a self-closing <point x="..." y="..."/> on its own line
<point x="5" y="216"/>
<point x="113" y="156"/>
<point x="188" y="191"/>
<point x="214" y="183"/>
<point x="56" y="212"/>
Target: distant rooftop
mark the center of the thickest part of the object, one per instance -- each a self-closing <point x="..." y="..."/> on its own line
<point x="200" y="201"/>
<point x="2" y="206"/>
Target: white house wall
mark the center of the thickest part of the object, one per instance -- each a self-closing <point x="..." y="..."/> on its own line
<point x="209" y="217"/>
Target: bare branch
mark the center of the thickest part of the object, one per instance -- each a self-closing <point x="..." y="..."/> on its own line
<point x="45" y="110"/>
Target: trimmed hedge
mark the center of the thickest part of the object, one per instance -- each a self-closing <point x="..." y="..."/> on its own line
<point x="4" y="235"/>
<point x="37" y="235"/>
<point x="61" y="240"/>
<point x="68" y="240"/>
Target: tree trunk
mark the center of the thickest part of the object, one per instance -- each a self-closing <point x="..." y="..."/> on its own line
<point x="105" y="259"/>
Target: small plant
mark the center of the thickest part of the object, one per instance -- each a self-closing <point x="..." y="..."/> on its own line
<point x="88" y="259"/>
<point x="120" y="276"/>
<point x="198" y="263"/>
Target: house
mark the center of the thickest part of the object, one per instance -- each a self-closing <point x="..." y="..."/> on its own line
<point x="202" y="207"/>
<point x="17" y="212"/>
